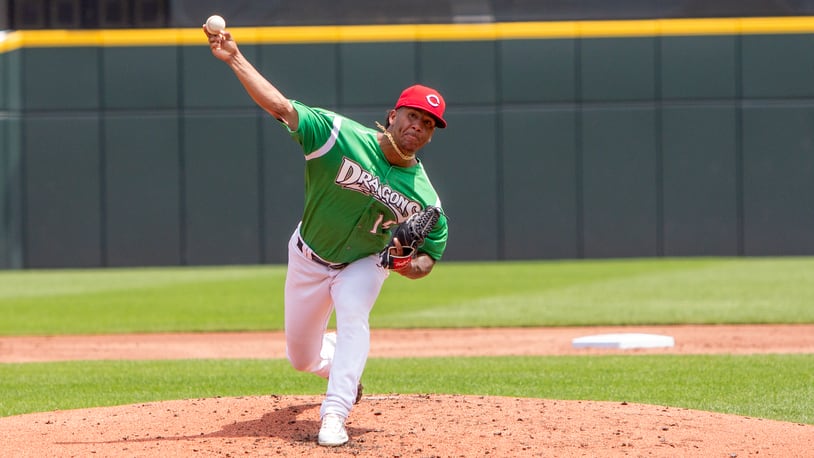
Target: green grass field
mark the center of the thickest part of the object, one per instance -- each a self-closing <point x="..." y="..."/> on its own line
<point x="544" y="293"/>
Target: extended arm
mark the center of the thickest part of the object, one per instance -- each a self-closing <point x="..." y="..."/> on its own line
<point x="258" y="87"/>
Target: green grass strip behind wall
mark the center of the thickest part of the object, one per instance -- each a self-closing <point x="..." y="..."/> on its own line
<point x="778" y="387"/>
<point x="455" y="295"/>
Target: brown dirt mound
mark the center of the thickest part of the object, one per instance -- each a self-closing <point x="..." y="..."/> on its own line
<point x="403" y="425"/>
<point x="400" y="426"/>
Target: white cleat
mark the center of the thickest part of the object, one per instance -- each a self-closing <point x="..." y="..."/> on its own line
<point x="332" y="433"/>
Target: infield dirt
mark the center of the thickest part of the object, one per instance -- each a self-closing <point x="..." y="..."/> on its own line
<point x="404" y="425"/>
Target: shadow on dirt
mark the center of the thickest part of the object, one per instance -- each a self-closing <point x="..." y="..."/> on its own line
<point x="283" y="423"/>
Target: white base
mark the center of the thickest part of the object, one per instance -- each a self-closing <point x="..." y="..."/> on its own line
<point x="628" y="340"/>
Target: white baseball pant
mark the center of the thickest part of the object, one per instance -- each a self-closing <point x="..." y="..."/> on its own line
<point x="312" y="293"/>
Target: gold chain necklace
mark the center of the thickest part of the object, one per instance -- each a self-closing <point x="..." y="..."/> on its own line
<point x="393" y="142"/>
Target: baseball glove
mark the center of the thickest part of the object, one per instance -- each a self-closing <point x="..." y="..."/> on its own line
<point x="411" y="235"/>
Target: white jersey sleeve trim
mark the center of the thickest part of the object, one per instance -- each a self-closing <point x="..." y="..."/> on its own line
<point x="329" y="143"/>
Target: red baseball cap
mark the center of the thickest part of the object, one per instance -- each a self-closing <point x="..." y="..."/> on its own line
<point x="424" y="98"/>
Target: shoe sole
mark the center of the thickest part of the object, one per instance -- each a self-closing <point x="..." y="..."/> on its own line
<point x="331" y="444"/>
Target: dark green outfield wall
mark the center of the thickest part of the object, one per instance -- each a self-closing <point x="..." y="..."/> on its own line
<point x="556" y="148"/>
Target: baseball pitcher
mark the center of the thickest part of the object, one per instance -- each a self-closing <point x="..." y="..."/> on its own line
<point x="370" y="209"/>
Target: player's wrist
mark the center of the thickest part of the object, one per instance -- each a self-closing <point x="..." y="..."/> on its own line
<point x="236" y="60"/>
<point x="404" y="267"/>
<point x="402" y="263"/>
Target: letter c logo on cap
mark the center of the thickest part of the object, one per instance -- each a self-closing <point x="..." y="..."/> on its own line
<point x="433" y="100"/>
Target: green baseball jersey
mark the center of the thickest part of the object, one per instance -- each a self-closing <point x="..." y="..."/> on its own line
<point x="353" y="195"/>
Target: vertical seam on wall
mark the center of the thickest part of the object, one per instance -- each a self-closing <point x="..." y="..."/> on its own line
<point x="5" y="196"/>
<point x="23" y="167"/>
<point x="501" y="214"/>
<point x="261" y="182"/>
<point x="739" y="210"/>
<point x="417" y="60"/>
<point x="181" y="116"/>
<point x="5" y="206"/>
<point x="659" y="145"/>
<point x="5" y="164"/>
<point x="261" y="190"/>
<point x="578" y="147"/>
<point x="338" y="67"/>
<point x="103" y="239"/>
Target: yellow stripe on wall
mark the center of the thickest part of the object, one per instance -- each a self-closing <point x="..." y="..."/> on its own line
<point x="416" y="32"/>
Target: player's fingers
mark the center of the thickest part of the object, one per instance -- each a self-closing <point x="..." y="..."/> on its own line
<point x="216" y="42"/>
<point x="397" y="245"/>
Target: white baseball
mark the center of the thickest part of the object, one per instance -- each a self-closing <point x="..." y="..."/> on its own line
<point x="215" y="24"/>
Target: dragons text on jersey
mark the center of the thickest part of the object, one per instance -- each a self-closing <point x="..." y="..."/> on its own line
<point x="354" y="177"/>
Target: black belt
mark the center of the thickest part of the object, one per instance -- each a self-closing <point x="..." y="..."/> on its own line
<point x="318" y="260"/>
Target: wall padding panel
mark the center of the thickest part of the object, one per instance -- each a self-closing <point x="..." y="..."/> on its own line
<point x="539" y="184"/>
<point x="13" y="80"/>
<point x="538" y="71"/>
<point x="464" y="72"/>
<point x="62" y="193"/>
<point x="59" y="79"/>
<point x="5" y="194"/>
<point x="619" y="182"/>
<point x="4" y="89"/>
<point x="142" y="184"/>
<point x="376" y="73"/>
<point x="778" y="188"/>
<point x="695" y="68"/>
<point x="778" y="66"/>
<point x="700" y="180"/>
<point x="221" y="191"/>
<point x="11" y="218"/>
<point x="155" y="85"/>
<point x="618" y="69"/>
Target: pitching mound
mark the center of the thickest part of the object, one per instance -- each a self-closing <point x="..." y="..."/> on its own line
<point x="401" y="425"/>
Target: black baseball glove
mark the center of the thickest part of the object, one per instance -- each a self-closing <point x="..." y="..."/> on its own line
<point x="411" y="235"/>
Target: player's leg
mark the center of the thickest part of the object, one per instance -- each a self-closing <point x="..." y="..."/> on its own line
<point x="308" y="307"/>
<point x="354" y="291"/>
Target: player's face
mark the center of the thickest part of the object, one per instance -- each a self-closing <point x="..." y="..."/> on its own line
<point x="413" y="128"/>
